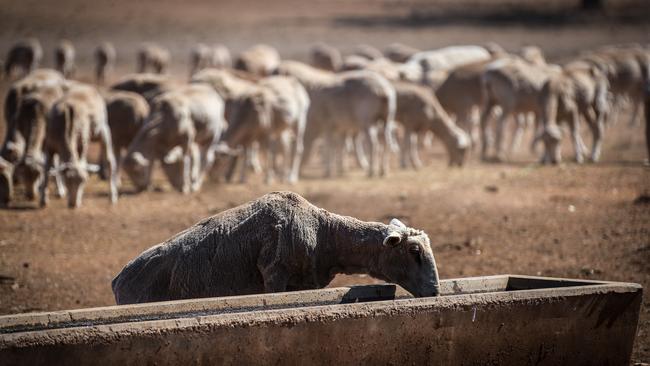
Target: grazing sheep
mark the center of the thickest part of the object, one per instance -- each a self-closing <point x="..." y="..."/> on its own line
<point x="366" y="51"/>
<point x="25" y="55"/>
<point x="449" y="57"/>
<point x="126" y="113"/>
<point x="200" y="58"/>
<point x="75" y="120"/>
<point x="514" y="85"/>
<point x="229" y="85"/>
<point x="398" y="52"/>
<point x="627" y="71"/>
<point x="462" y="95"/>
<point x="279" y="242"/>
<point x="345" y="105"/>
<point x="26" y="139"/>
<point x="181" y="129"/>
<point x="64" y="55"/>
<point x="105" y="56"/>
<point x="152" y="58"/>
<point x="276" y="110"/>
<point x="418" y="111"/>
<point x="260" y="60"/>
<point x="221" y="58"/>
<point x="579" y="92"/>
<point x="147" y="85"/>
<point x="354" y="62"/>
<point x="326" y="57"/>
<point x="12" y="150"/>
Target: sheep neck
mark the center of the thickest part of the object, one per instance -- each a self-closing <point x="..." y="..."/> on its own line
<point x="352" y="246"/>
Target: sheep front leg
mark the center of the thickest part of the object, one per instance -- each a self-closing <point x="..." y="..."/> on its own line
<point x="498" y="142"/>
<point x="414" y="151"/>
<point x="574" y="127"/>
<point x="360" y="151"/>
<point x="108" y="156"/>
<point x="297" y="153"/>
<point x="371" y="135"/>
<point x="405" y="158"/>
<point x="485" y="133"/>
<point x="49" y="157"/>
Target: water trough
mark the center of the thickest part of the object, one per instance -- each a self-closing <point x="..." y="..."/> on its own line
<point x="493" y="320"/>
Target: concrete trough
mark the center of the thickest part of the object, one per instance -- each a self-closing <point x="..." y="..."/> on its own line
<point x="494" y="320"/>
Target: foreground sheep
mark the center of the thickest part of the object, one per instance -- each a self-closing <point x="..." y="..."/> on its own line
<point x="181" y="129"/>
<point x="25" y="55"/>
<point x="75" y="120"/>
<point x="279" y="242"/>
<point x="105" y="56"/>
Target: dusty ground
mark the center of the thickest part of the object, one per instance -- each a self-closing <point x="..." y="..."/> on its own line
<point x="567" y="221"/>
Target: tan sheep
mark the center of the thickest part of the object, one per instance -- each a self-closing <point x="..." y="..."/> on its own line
<point x="152" y="58"/>
<point x="326" y="57"/>
<point x="25" y="55"/>
<point x="75" y="120"/>
<point x="64" y="55"/>
<point x="260" y="60"/>
<point x="105" y="56"/>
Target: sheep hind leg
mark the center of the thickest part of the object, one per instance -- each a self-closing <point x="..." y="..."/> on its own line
<point x="360" y="151"/>
<point x="373" y="139"/>
<point x="414" y="152"/>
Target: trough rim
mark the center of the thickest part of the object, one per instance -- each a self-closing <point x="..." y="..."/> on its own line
<point x="53" y="333"/>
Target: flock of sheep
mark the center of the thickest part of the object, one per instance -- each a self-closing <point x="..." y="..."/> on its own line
<point x="234" y="111"/>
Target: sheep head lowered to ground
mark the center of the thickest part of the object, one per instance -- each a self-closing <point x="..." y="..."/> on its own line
<point x="278" y="242"/>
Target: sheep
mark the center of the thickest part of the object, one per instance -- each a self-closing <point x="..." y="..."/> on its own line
<point x="627" y="71"/>
<point x="27" y="134"/>
<point x="366" y="51"/>
<point x="229" y="85"/>
<point x="75" y="120"/>
<point x="221" y="58"/>
<point x="147" y="85"/>
<point x="534" y="55"/>
<point x="260" y="60"/>
<point x="126" y="113"/>
<point x="418" y="111"/>
<point x="347" y="104"/>
<point x="326" y="57"/>
<point x="398" y="52"/>
<point x="354" y="62"/>
<point x="514" y="85"/>
<point x="181" y="129"/>
<point x="25" y="55"/>
<point x="278" y="242"/>
<point x="64" y="55"/>
<point x="105" y="56"/>
<point x="37" y="79"/>
<point x="152" y="57"/>
<point x="461" y="94"/>
<point x="580" y="91"/>
<point x="449" y="57"/>
<point x="200" y="58"/>
<point x="278" y="108"/>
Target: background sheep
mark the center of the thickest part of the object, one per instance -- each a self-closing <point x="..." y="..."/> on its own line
<point x="260" y="60"/>
<point x="26" y="55"/>
<point x="76" y="119"/>
<point x="326" y="57"/>
<point x="105" y="56"/>
<point x="152" y="58"/>
<point x="64" y="55"/>
<point x="279" y="242"/>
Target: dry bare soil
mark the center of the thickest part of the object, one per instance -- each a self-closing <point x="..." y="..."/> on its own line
<point x="590" y="221"/>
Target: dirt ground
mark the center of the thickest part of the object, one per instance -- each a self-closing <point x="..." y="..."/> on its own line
<point x="588" y="221"/>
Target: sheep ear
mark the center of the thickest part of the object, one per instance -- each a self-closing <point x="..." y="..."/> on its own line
<point x="396" y="222"/>
<point x="392" y="239"/>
